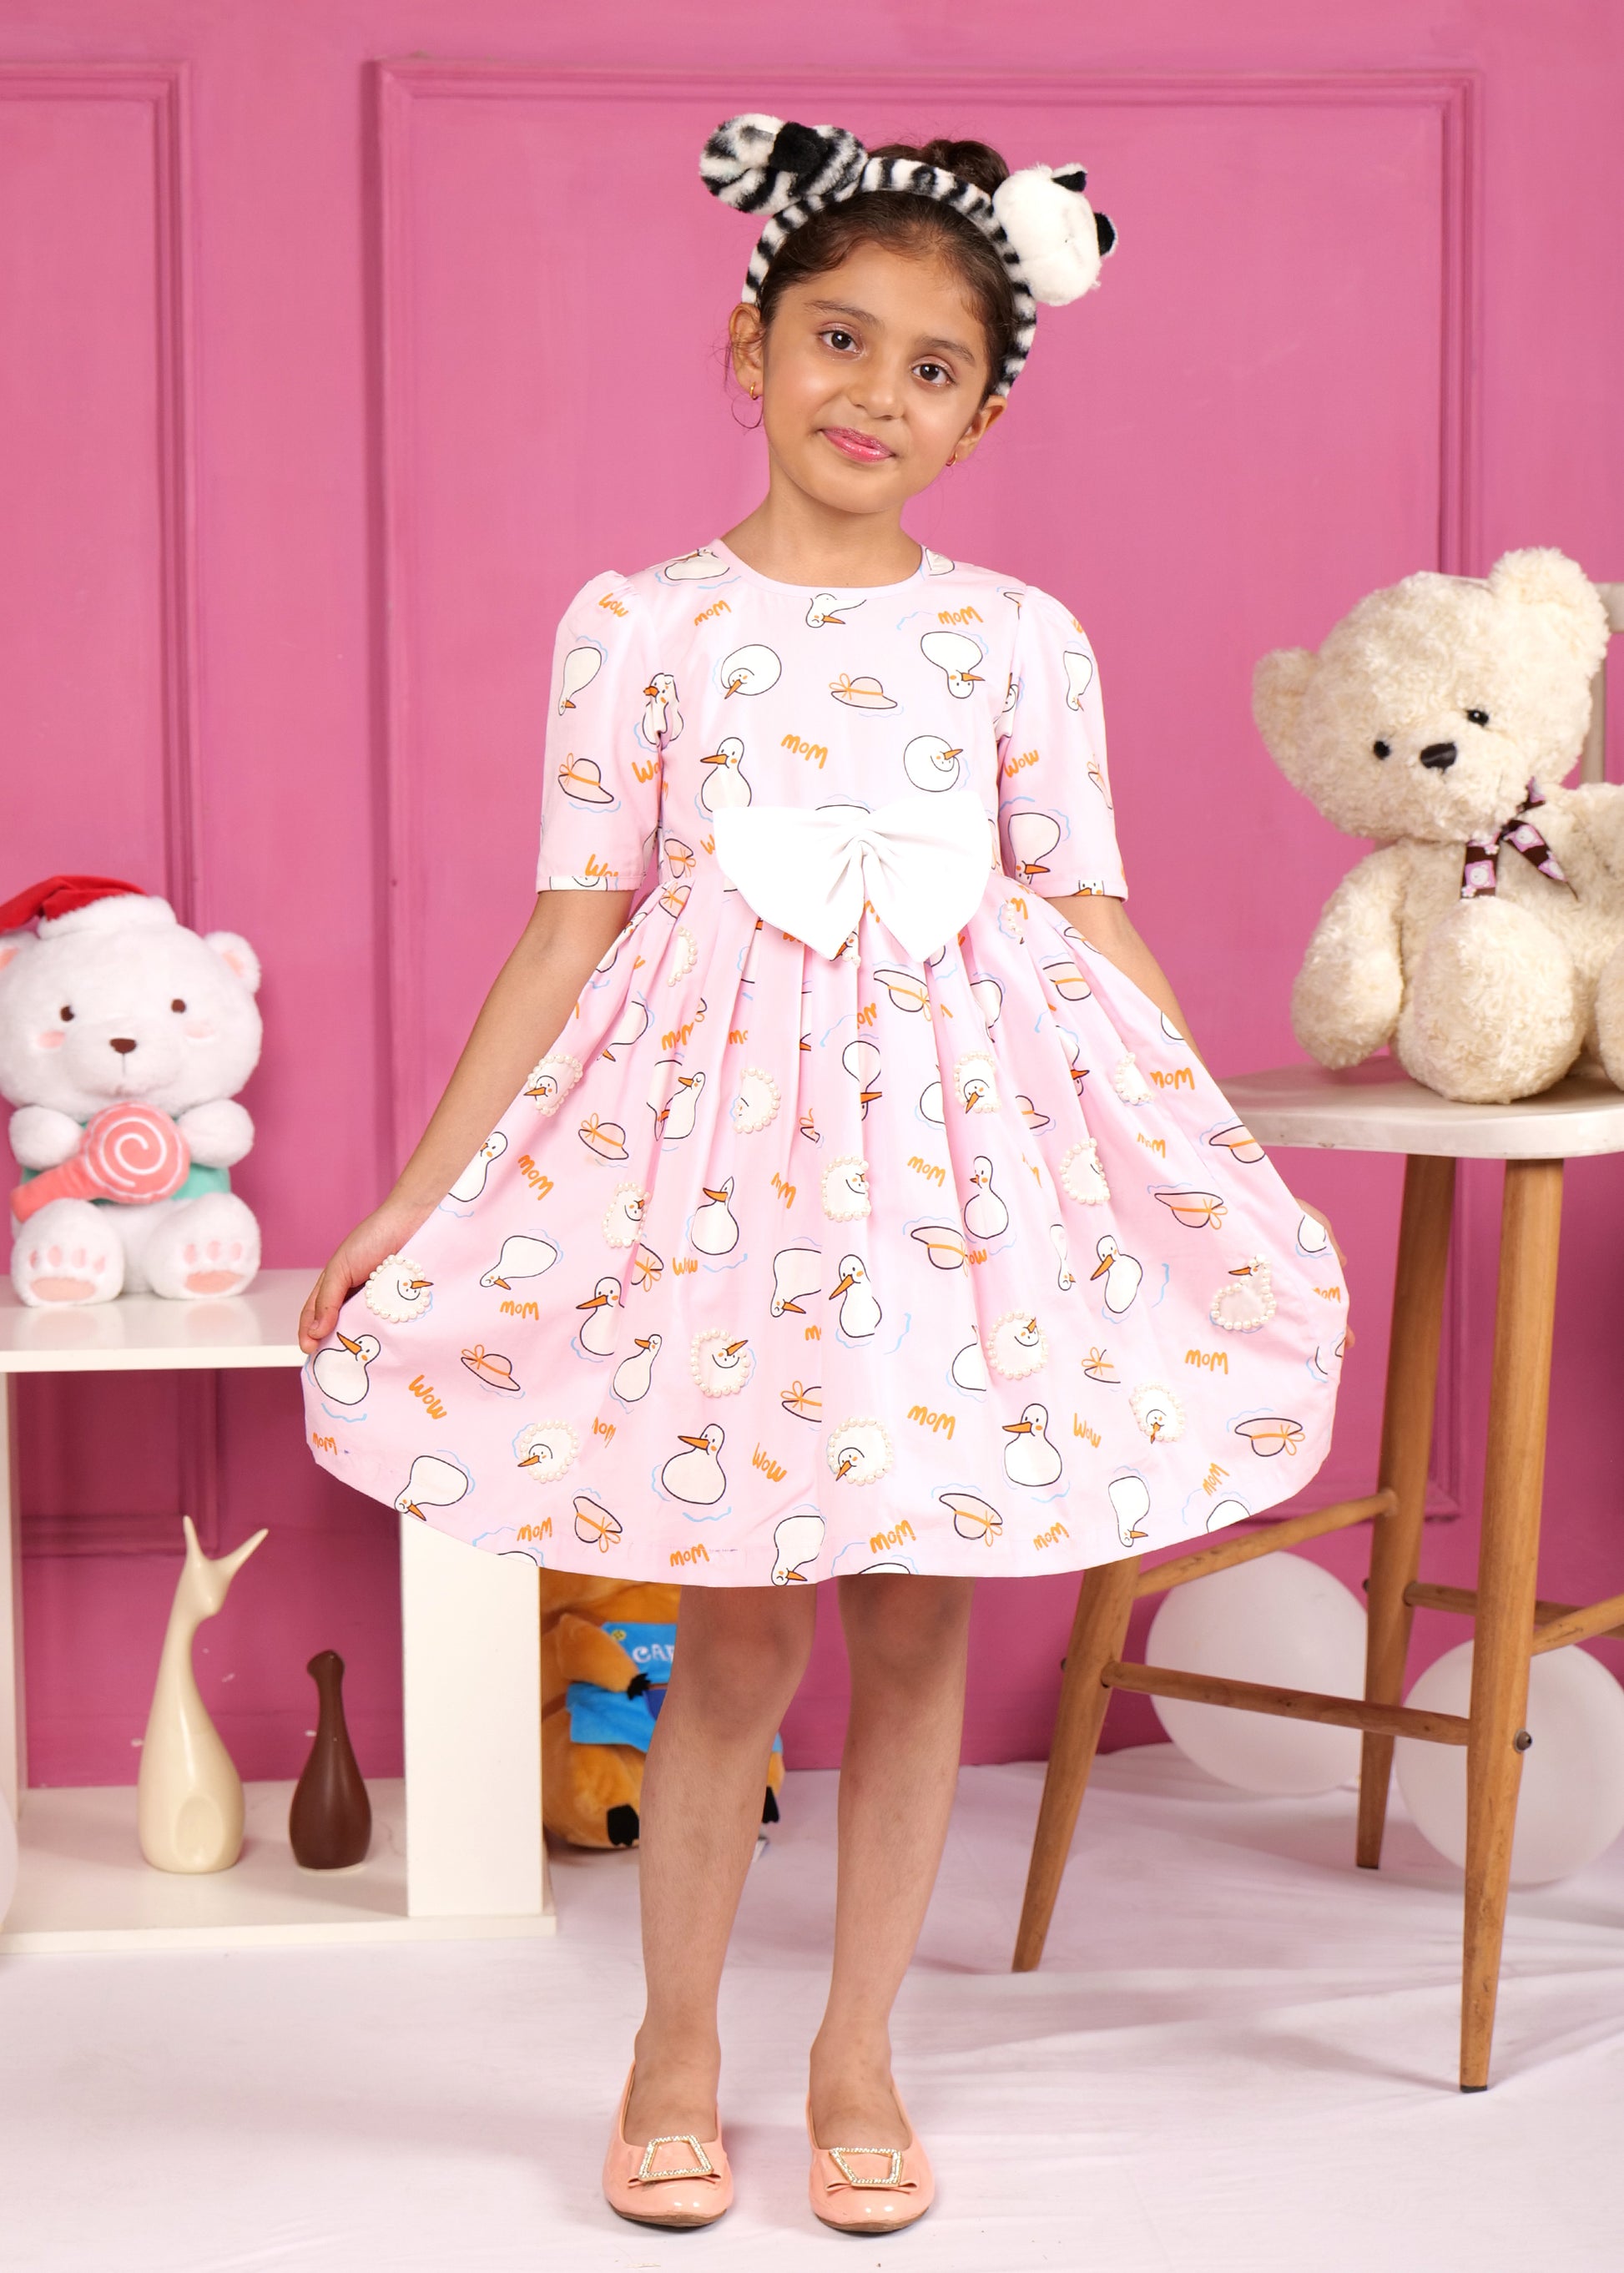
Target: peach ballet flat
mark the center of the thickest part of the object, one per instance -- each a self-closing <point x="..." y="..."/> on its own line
<point x="676" y="2179"/>
<point x="869" y="2189"/>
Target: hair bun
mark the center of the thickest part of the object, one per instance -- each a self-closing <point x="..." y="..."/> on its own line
<point x="760" y="164"/>
<point x="1058" y="237"/>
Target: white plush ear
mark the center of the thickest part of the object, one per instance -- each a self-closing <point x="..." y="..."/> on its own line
<point x="1278" y="684"/>
<point x="12" y="945"/>
<point x="1539" y="576"/>
<point x="1053" y="227"/>
<point x="235" y="952"/>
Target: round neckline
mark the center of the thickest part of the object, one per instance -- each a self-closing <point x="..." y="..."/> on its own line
<point x="780" y="584"/>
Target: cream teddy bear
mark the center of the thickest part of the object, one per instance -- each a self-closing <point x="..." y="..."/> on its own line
<point x="113" y="1003"/>
<point x="1483" y="939"/>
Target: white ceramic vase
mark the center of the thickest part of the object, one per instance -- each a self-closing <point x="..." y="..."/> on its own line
<point x="189" y="1797"/>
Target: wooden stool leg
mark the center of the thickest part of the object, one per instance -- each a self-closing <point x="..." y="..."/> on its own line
<point x="1406" y="1451"/>
<point x="1520" y="1391"/>
<point x="1104" y="1601"/>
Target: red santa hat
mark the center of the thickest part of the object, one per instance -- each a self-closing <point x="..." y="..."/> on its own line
<point x="60" y="896"/>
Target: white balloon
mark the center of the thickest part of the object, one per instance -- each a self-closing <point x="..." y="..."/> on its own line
<point x="1570" y="1804"/>
<point x="1281" y="1620"/>
<point x="8" y="1860"/>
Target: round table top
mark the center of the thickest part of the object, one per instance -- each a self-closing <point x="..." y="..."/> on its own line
<point x="1376" y="1108"/>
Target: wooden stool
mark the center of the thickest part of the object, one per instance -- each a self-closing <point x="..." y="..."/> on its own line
<point x="1376" y="1108"/>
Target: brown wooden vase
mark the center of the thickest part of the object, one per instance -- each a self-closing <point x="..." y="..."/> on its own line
<point x="330" y="1822"/>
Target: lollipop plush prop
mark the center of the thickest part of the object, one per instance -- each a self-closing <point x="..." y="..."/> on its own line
<point x="123" y="1038"/>
<point x="130" y="1152"/>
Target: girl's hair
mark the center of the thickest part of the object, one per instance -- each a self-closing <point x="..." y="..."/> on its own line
<point x="912" y="225"/>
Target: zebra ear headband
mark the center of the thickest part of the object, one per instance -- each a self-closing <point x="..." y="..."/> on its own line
<point x="1050" y="238"/>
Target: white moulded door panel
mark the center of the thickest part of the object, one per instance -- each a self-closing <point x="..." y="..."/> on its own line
<point x="472" y="1666"/>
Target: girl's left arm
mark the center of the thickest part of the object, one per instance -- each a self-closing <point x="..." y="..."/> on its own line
<point x="1053" y="722"/>
<point x="1104" y="923"/>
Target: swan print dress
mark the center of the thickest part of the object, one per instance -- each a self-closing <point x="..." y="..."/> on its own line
<point x="862" y="1218"/>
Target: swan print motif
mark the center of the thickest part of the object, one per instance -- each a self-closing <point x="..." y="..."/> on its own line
<point x="784" y="1263"/>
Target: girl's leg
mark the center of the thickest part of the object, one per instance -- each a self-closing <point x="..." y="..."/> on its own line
<point x="906" y="1638"/>
<point x="740" y="1653"/>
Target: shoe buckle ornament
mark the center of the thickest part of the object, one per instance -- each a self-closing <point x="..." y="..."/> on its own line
<point x="705" y="2168"/>
<point x="893" y="2176"/>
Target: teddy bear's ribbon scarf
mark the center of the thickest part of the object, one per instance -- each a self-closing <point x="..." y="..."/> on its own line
<point x="1480" y="870"/>
<point x="921" y="860"/>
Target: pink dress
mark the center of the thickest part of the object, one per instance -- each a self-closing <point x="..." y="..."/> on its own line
<point x="788" y="1261"/>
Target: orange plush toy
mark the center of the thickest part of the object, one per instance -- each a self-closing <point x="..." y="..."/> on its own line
<point x="605" y="1656"/>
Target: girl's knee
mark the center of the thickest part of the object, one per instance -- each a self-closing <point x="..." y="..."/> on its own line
<point x="741" y="1652"/>
<point x="903" y="1625"/>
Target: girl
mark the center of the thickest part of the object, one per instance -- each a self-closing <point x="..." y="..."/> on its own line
<point x="829" y="1188"/>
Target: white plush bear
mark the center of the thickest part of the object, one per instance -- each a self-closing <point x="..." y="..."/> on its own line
<point x="1483" y="940"/>
<point x="114" y="1001"/>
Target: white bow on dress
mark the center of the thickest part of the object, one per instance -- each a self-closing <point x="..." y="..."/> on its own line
<point x="921" y="860"/>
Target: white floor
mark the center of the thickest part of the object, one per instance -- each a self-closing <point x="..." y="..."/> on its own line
<point x="1238" y="2057"/>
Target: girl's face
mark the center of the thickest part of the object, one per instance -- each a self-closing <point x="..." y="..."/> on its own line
<point x="870" y="378"/>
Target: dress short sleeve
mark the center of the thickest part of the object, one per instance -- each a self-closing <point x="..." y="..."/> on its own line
<point x="607" y="720"/>
<point x="1055" y="819"/>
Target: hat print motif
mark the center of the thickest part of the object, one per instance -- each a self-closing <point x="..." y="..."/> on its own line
<point x="582" y="779"/>
<point x="861" y="693"/>
<point x="490" y="1366"/>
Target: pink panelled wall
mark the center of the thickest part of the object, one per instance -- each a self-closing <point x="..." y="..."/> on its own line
<point x="342" y="344"/>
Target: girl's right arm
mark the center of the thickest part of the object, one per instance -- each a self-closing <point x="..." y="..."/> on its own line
<point x="523" y="1015"/>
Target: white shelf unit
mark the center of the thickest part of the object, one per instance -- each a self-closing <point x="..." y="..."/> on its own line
<point x="457" y="1847"/>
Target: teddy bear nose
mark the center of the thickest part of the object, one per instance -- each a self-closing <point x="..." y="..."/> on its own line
<point x="122" y="1044"/>
<point x="1439" y="755"/>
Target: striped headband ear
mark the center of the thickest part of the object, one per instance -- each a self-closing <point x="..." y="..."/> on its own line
<point x="1050" y="239"/>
